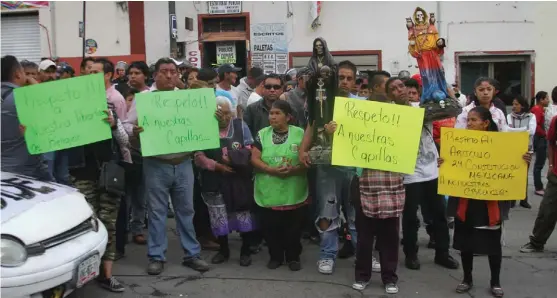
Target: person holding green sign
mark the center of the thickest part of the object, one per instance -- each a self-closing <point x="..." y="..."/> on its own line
<point x="15" y="156"/>
<point x="168" y="176"/>
<point x="281" y="187"/>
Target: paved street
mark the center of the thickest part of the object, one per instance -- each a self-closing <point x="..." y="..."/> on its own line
<point x="522" y="276"/>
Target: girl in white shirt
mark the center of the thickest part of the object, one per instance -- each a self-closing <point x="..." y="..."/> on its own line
<point x="521" y="118"/>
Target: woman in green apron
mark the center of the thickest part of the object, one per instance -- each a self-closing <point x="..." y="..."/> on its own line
<point x="280" y="186"/>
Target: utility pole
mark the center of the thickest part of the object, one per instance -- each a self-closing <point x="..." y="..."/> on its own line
<point x="84" y="26"/>
<point x="173" y="28"/>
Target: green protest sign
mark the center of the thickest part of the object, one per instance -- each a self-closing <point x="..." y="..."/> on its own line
<point x="63" y="114"/>
<point x="177" y="121"/>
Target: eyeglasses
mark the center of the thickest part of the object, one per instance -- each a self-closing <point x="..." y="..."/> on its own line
<point x="276" y="87"/>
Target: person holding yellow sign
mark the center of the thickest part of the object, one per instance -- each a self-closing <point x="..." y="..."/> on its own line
<point x="478" y="223"/>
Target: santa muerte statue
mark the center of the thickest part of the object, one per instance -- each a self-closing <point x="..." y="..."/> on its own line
<point x="425" y="45"/>
<point x="321" y="90"/>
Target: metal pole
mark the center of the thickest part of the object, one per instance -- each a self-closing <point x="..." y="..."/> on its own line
<point x="84" y="29"/>
<point x="173" y="45"/>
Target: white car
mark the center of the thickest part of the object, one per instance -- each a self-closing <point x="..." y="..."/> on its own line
<point x="51" y="240"/>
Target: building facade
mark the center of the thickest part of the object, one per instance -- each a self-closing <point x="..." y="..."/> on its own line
<point x="514" y="42"/>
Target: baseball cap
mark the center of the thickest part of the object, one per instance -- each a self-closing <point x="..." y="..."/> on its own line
<point x="45" y="64"/>
<point x="228" y="68"/>
<point x="66" y="68"/>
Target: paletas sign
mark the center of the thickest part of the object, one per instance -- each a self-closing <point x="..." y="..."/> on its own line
<point x="224" y="7"/>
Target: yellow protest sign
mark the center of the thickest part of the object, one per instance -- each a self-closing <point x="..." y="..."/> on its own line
<point x="376" y="135"/>
<point x="483" y="165"/>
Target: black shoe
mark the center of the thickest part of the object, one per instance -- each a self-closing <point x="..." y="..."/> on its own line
<point x="155" y="267"/>
<point x="219" y="258"/>
<point x="255" y="249"/>
<point x="295" y="266"/>
<point x="431" y="244"/>
<point x="118" y="255"/>
<point x="170" y="213"/>
<point x="111" y="284"/>
<point x="346" y="251"/>
<point x="273" y="264"/>
<point x="245" y="261"/>
<point x="197" y="264"/>
<point x="447" y="261"/>
<point x="412" y="263"/>
<point x="525" y="204"/>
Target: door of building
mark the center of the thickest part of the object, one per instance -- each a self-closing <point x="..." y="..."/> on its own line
<point x="224" y="29"/>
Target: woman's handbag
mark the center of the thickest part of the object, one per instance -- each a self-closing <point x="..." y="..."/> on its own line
<point x="112" y="178"/>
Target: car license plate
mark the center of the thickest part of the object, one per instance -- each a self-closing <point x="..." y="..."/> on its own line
<point x="88" y="270"/>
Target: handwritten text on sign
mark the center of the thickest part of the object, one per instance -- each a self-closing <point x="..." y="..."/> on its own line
<point x="376" y="135"/>
<point x="63" y="114"/>
<point x="483" y="165"/>
<point x="177" y="121"/>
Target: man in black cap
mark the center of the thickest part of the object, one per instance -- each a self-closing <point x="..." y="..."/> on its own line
<point x="228" y="74"/>
<point x="65" y="71"/>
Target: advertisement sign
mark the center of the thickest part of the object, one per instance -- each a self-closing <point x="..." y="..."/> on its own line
<point x="194" y="58"/>
<point x="224" y="7"/>
<point x="269" y="46"/>
<point x="267" y="38"/>
<point x="226" y="52"/>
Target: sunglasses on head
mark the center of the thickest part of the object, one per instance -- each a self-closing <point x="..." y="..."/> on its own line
<point x="276" y="87"/>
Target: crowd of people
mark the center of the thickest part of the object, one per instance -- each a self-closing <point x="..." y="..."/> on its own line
<point x="260" y="182"/>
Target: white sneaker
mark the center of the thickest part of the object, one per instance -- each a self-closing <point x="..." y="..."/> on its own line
<point x="391" y="288"/>
<point x="325" y="266"/>
<point x="360" y="285"/>
<point x="375" y="266"/>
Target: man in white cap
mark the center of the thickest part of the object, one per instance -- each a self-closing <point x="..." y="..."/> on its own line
<point x="47" y="71"/>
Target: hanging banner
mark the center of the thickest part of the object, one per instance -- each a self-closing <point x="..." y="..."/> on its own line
<point x="226" y="52"/>
<point x="269" y="46"/>
<point x="483" y="165"/>
<point x="224" y="7"/>
<point x="14" y="5"/>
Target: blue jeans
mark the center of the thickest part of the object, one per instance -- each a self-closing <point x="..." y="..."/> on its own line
<point x="163" y="180"/>
<point x="333" y="191"/>
<point x="58" y="166"/>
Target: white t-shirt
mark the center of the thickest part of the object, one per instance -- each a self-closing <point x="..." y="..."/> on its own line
<point x="253" y="98"/>
<point x="550" y="112"/>
<point x="426" y="164"/>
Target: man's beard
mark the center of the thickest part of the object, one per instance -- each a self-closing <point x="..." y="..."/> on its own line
<point x="343" y="92"/>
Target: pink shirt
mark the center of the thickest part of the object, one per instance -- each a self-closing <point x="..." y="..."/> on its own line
<point x="117" y="100"/>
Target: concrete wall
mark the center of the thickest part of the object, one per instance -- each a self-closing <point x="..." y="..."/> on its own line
<point x="467" y="26"/>
<point x="106" y="23"/>
<point x="346" y="25"/>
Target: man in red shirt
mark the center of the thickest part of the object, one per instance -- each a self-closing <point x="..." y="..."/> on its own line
<point x="547" y="215"/>
<point x="540" y="142"/>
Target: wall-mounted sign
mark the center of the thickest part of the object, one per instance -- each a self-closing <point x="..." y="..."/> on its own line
<point x="226" y="52"/>
<point x="81" y="29"/>
<point x="224" y="7"/>
<point x="173" y="26"/>
<point x="194" y="58"/>
<point x="269" y="47"/>
<point x="91" y="46"/>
